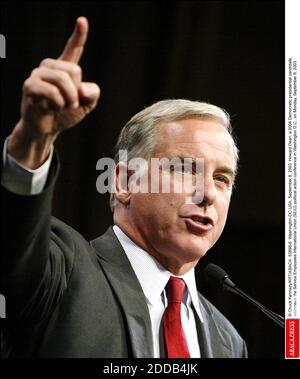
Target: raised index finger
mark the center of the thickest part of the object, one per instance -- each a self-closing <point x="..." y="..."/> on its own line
<point x="75" y="44"/>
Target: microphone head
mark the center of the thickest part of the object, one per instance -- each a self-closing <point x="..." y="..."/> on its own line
<point x="216" y="276"/>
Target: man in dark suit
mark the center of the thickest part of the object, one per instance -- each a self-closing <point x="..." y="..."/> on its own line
<point x="130" y="292"/>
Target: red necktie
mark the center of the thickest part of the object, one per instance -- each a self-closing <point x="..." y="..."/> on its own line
<point x="176" y="345"/>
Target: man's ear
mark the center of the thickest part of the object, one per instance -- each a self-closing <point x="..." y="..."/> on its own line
<point x="122" y="175"/>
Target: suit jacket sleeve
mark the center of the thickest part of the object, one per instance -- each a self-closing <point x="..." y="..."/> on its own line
<point x="33" y="268"/>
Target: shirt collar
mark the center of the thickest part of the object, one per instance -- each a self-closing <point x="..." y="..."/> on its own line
<point x="152" y="276"/>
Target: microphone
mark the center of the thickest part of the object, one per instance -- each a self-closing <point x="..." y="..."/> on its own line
<point x="217" y="276"/>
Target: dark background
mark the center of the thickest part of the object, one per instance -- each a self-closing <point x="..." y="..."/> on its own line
<point x="226" y="52"/>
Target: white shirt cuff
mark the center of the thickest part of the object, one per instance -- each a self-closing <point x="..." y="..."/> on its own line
<point x="21" y="180"/>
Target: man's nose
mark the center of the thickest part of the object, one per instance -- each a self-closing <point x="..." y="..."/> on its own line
<point x="205" y="193"/>
<point x="209" y="191"/>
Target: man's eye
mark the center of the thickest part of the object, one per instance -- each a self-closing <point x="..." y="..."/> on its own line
<point x="188" y="169"/>
<point x="183" y="169"/>
<point x="222" y="179"/>
<point x="178" y="168"/>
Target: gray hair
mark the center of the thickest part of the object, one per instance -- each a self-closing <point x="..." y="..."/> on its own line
<point x="140" y="136"/>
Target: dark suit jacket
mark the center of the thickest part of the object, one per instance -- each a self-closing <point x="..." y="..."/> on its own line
<point x="67" y="297"/>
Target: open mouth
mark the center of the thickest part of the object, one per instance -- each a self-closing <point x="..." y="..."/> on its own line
<point x="201" y="220"/>
<point x="198" y="224"/>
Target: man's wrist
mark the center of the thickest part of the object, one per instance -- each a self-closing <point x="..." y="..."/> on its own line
<point x="29" y="152"/>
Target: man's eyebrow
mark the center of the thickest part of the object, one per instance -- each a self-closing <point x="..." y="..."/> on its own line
<point x="227" y="170"/>
<point x="186" y="159"/>
<point x="224" y="169"/>
<point x="182" y="158"/>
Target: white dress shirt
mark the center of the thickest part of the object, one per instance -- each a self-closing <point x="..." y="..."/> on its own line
<point x="152" y="276"/>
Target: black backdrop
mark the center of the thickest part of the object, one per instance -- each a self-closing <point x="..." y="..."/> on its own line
<point x="225" y="52"/>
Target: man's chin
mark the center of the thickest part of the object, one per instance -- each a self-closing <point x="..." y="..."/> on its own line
<point x="195" y="248"/>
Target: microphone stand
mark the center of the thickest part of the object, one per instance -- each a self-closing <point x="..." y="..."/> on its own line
<point x="230" y="286"/>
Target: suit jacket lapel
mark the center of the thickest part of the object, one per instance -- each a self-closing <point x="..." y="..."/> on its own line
<point x="128" y="291"/>
<point x="203" y="336"/>
<point x="211" y="339"/>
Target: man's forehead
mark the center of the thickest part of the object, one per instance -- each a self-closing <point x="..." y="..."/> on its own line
<point x="187" y="125"/>
<point x="191" y="131"/>
<point x="189" y="136"/>
<point x="195" y="147"/>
